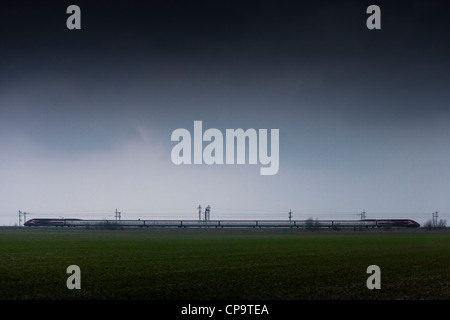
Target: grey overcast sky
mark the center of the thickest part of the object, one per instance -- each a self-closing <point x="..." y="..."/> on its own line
<point x="86" y="115"/>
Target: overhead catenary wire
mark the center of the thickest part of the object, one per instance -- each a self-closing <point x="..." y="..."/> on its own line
<point x="224" y="213"/>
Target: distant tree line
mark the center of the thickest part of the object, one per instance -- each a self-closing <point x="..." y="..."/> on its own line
<point x="430" y="224"/>
<point x="312" y="224"/>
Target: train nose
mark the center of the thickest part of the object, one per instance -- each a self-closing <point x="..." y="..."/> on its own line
<point x="414" y="224"/>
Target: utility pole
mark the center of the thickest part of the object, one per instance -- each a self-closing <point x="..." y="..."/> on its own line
<point x="435" y="219"/>
<point x="363" y="215"/>
<point x="118" y="215"/>
<point x="24" y="214"/>
<point x="290" y="218"/>
<point x="207" y="212"/>
<point x="199" y="212"/>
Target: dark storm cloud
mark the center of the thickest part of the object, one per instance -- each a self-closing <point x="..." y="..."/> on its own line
<point x="181" y="46"/>
<point x="293" y="62"/>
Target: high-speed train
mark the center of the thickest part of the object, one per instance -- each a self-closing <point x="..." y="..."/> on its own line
<point x="304" y="224"/>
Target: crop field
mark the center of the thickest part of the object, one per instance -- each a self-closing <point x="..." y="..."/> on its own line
<point x="215" y="264"/>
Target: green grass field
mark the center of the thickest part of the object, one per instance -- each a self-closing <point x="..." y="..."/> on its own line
<point x="223" y="264"/>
